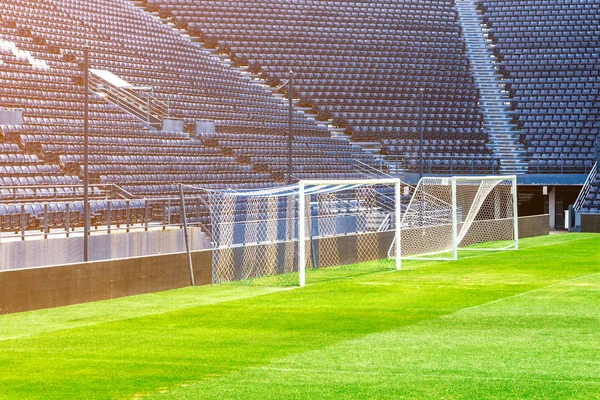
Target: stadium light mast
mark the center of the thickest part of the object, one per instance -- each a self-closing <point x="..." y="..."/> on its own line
<point x="421" y="90"/>
<point x="86" y="199"/>
<point x="290" y="88"/>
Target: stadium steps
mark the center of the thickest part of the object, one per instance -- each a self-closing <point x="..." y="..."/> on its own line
<point x="373" y="148"/>
<point x="494" y="98"/>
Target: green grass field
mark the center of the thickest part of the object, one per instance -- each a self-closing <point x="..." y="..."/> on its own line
<point x="499" y="325"/>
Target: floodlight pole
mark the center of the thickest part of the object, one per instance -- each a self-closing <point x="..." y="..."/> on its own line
<point x="421" y="133"/>
<point x="86" y="182"/>
<point x="290" y="88"/>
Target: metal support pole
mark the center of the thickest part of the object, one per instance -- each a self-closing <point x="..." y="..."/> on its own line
<point x="398" y="223"/>
<point x="454" y="222"/>
<point x="86" y="182"/>
<point x="128" y="215"/>
<point x="290" y="88"/>
<point x="109" y="216"/>
<point x="146" y="216"/>
<point x="185" y="235"/>
<point x="169" y="106"/>
<point x="301" y="235"/>
<point x="421" y="133"/>
<point x="68" y="218"/>
<point x="22" y="222"/>
<point x="515" y="211"/>
<point x="313" y="255"/>
<point x="45" y="220"/>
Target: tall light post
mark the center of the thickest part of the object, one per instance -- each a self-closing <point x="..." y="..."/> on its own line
<point x="86" y="198"/>
<point x="421" y="90"/>
<point x="290" y="89"/>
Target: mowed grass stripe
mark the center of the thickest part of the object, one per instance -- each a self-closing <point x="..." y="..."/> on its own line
<point x="540" y="344"/>
<point x="79" y="315"/>
<point x="148" y="353"/>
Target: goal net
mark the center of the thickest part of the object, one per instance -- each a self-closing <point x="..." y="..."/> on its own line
<point x="272" y="236"/>
<point x="446" y="215"/>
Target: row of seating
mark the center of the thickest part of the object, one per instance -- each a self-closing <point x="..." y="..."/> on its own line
<point x="404" y="46"/>
<point x="65" y="216"/>
<point x="196" y="85"/>
<point x="549" y="54"/>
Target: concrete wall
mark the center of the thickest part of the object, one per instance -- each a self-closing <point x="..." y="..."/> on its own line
<point x="11" y="117"/>
<point x="535" y="225"/>
<point x="35" y="288"/>
<point x="590" y="223"/>
<point x="44" y="287"/>
<point x="17" y="254"/>
<point x="204" y="127"/>
<point x="172" y="125"/>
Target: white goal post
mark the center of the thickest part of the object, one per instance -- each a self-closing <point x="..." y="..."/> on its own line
<point x="364" y="199"/>
<point x="446" y="215"/>
<point x="271" y="236"/>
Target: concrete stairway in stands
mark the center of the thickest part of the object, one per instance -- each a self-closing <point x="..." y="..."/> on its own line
<point x="494" y="98"/>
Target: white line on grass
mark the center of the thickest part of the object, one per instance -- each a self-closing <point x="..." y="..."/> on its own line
<point x="425" y="376"/>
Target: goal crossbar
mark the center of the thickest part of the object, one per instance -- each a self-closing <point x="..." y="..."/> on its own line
<point x="275" y="234"/>
<point x="305" y="187"/>
<point x="449" y="214"/>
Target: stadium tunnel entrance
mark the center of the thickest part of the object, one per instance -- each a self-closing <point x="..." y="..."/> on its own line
<point x="548" y="199"/>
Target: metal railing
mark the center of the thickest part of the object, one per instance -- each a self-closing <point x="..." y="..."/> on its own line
<point x="31" y="219"/>
<point x="397" y="164"/>
<point x="561" y="167"/>
<point x="139" y="101"/>
<point x="41" y="193"/>
<point x="369" y="170"/>
<point x="586" y="188"/>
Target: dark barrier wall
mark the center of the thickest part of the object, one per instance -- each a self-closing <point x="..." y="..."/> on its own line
<point x="30" y="289"/>
<point x="535" y="225"/>
<point x="590" y="223"/>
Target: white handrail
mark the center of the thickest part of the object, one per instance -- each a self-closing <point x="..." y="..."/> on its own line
<point x="147" y="108"/>
<point x="586" y="188"/>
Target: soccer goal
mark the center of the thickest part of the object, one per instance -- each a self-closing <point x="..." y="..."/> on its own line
<point x="446" y="215"/>
<point x="273" y="236"/>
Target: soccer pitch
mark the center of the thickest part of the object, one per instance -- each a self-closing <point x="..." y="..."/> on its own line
<point x="522" y="324"/>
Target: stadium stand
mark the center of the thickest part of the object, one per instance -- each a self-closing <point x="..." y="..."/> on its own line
<point x="444" y="156"/>
<point x="405" y="46"/>
<point x="41" y="68"/>
<point x="360" y="65"/>
<point x="552" y="71"/>
<point x="54" y="32"/>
